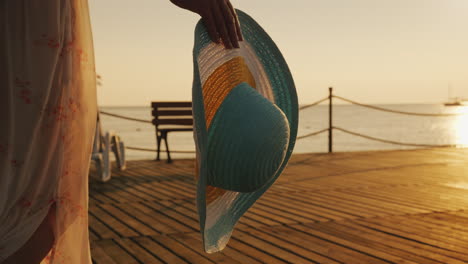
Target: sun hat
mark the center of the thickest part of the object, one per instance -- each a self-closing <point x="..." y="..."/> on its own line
<point x="245" y="113"/>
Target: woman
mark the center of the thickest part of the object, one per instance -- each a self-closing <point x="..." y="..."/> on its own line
<point x="47" y="117"/>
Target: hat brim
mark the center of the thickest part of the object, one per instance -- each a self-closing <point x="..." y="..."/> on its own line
<point x="220" y="215"/>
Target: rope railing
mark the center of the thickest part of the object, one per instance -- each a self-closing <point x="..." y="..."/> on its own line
<point x="313" y="104"/>
<point x="390" y="141"/>
<point x="312" y="134"/>
<point x="396" y="111"/>
<point x="320" y="132"/>
<point x="154" y="150"/>
<point x="329" y="129"/>
<point x="125" y="117"/>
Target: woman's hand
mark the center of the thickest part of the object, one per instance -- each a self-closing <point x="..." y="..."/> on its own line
<point x="219" y="18"/>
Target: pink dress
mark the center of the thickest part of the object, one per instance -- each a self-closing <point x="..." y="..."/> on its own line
<point x="47" y="121"/>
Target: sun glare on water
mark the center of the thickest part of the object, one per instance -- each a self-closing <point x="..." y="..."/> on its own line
<point x="461" y="126"/>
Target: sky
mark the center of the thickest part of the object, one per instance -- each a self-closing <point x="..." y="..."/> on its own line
<point x="372" y="51"/>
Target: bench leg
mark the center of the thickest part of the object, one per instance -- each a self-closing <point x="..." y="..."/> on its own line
<point x="158" y="142"/>
<point x="169" y="160"/>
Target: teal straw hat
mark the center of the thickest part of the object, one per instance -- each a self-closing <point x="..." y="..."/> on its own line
<point x="245" y="126"/>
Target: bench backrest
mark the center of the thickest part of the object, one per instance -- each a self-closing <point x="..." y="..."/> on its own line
<point x="172" y="114"/>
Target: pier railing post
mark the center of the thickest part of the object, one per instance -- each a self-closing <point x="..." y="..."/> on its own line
<point x="330" y="120"/>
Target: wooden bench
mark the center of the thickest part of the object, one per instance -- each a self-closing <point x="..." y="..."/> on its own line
<point x="169" y="117"/>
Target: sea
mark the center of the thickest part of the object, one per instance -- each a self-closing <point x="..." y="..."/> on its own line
<point x="427" y="130"/>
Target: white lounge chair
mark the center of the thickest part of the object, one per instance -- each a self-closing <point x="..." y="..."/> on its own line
<point x="103" y="145"/>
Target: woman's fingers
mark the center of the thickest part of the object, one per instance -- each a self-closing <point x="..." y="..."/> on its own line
<point x="236" y="21"/>
<point x="219" y="17"/>
<point x="230" y="22"/>
<point x="221" y="25"/>
<point x="210" y="25"/>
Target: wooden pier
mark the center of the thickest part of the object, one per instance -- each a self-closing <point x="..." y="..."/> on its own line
<point x="360" y="207"/>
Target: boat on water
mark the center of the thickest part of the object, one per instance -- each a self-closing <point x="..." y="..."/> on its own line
<point x="457" y="102"/>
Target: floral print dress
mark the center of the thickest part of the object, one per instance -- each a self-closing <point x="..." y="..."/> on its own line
<point x="47" y="122"/>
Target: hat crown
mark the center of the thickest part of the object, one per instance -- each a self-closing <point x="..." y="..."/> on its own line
<point x="247" y="141"/>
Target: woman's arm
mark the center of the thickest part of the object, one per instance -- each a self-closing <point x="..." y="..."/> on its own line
<point x="219" y="18"/>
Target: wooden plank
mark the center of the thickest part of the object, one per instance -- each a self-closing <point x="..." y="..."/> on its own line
<point x="253" y="252"/>
<point x="400" y="243"/>
<point x="138" y="252"/>
<point x="183" y="252"/>
<point x="112" y="222"/>
<point x="188" y="241"/>
<point x="457" y="221"/>
<point x="441" y="233"/>
<point x="180" y="187"/>
<point x="354" y="204"/>
<point x="92" y="235"/>
<point x="230" y="252"/>
<point x="365" y="250"/>
<point x="343" y="205"/>
<point x="323" y="247"/>
<point x="145" y="188"/>
<point x="285" y="217"/>
<point x="100" y="229"/>
<point x="148" y="219"/>
<point x="172" y="112"/>
<point x="138" y="194"/>
<point x="168" y="210"/>
<point x="261" y="219"/>
<point x="175" y="128"/>
<point x="123" y="193"/>
<point x="129" y="219"/>
<point x="300" y="250"/>
<point x="173" y="121"/>
<point x="165" y="194"/>
<point x="172" y="224"/>
<point x="270" y="248"/>
<point x="117" y="254"/>
<point x="163" y="253"/>
<point x="249" y="222"/>
<point x="388" y="195"/>
<point x="188" y="209"/>
<point x="171" y="190"/>
<point x="270" y="215"/>
<point x="113" y="193"/>
<point x="99" y="255"/>
<point x="376" y="206"/>
<point x="423" y="237"/>
<point x="305" y="207"/>
<point x="171" y="104"/>
<point x="97" y="194"/>
<point x="355" y="237"/>
<point x="451" y="250"/>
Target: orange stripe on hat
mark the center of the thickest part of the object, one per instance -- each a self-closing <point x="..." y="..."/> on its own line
<point x="221" y="82"/>
<point x="212" y="193"/>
